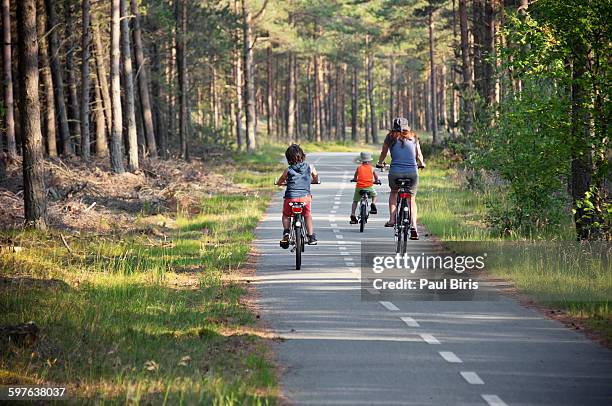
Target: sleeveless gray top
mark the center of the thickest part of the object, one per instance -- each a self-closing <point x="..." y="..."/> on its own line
<point x="298" y="180"/>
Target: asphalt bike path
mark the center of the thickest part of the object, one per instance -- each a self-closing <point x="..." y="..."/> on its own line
<point x="340" y="349"/>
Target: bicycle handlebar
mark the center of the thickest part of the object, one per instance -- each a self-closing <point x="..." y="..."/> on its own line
<point x="377" y="182"/>
<point x="285" y="184"/>
<point x="385" y="166"/>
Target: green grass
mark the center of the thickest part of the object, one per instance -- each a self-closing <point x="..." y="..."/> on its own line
<point x="565" y="276"/>
<point x="256" y="170"/>
<point x="131" y="319"/>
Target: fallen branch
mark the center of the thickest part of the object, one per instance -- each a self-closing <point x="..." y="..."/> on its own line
<point x="91" y="206"/>
<point x="66" y="244"/>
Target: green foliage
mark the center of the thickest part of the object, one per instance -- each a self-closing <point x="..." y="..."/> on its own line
<point x="558" y="117"/>
<point x="528" y="147"/>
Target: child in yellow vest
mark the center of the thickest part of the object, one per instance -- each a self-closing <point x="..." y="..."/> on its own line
<point x="365" y="176"/>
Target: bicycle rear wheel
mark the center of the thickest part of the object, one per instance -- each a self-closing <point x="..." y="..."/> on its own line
<point x="363" y="212"/>
<point x="405" y="239"/>
<point x="299" y="246"/>
<point x="399" y="227"/>
<point x="403" y="228"/>
<point x="407" y="226"/>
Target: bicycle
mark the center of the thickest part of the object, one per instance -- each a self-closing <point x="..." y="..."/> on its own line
<point x="297" y="236"/>
<point x="297" y="229"/>
<point x="403" y="215"/>
<point x="364" y="204"/>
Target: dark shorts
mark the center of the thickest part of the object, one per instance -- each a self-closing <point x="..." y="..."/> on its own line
<point x="414" y="176"/>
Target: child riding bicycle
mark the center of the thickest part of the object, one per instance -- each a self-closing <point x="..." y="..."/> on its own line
<point x="365" y="176"/>
<point x="297" y="177"/>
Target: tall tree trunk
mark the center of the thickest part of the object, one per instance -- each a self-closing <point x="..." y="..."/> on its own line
<point x="158" y="102"/>
<point x="454" y="107"/>
<point x="499" y="43"/>
<point x="366" y="105"/>
<point x="181" y="64"/>
<point x="32" y="146"/>
<point x="291" y="96"/>
<point x="171" y="79"/>
<point x="9" y="104"/>
<point x="116" y="150"/>
<point x="477" y="33"/>
<point x="354" y="100"/>
<point x="488" y="51"/>
<point x="239" y="100"/>
<point x="45" y="73"/>
<point x="410" y="90"/>
<point x="392" y="101"/>
<point x="309" y="103"/>
<point x="467" y="86"/>
<point x="427" y="103"/>
<point x="269" y="103"/>
<point x="318" y="119"/>
<point x="432" y="84"/>
<point x="443" y="102"/>
<point x="522" y="11"/>
<point x="101" y="73"/>
<point x="249" y="77"/>
<point x="298" y="102"/>
<point x="132" y="134"/>
<point x="370" y="80"/>
<point x="214" y="97"/>
<point x="337" y="100"/>
<point x="74" y="113"/>
<point x="85" y="82"/>
<point x="581" y="156"/>
<point x="343" y="103"/>
<point x="326" y="106"/>
<point x="143" y="83"/>
<point x="58" y="81"/>
<point x="101" y="129"/>
<point x="239" y="84"/>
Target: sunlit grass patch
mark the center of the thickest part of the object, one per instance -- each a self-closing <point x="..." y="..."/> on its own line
<point x="579" y="284"/>
<point x="136" y="319"/>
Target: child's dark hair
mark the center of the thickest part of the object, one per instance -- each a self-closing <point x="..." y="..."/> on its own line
<point x="295" y="154"/>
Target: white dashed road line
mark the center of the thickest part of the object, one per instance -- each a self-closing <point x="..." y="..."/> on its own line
<point x="450" y="356"/>
<point x="429" y="339"/>
<point x="410" y="322"/>
<point x="493" y="400"/>
<point x="390" y="306"/>
<point x="471" y="377"/>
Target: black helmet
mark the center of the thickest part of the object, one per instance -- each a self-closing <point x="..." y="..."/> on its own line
<point x="400" y="124"/>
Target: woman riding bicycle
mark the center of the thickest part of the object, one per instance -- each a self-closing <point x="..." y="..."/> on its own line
<point x="406" y="158"/>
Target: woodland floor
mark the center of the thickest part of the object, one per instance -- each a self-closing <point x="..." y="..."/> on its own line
<point x="139" y="289"/>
